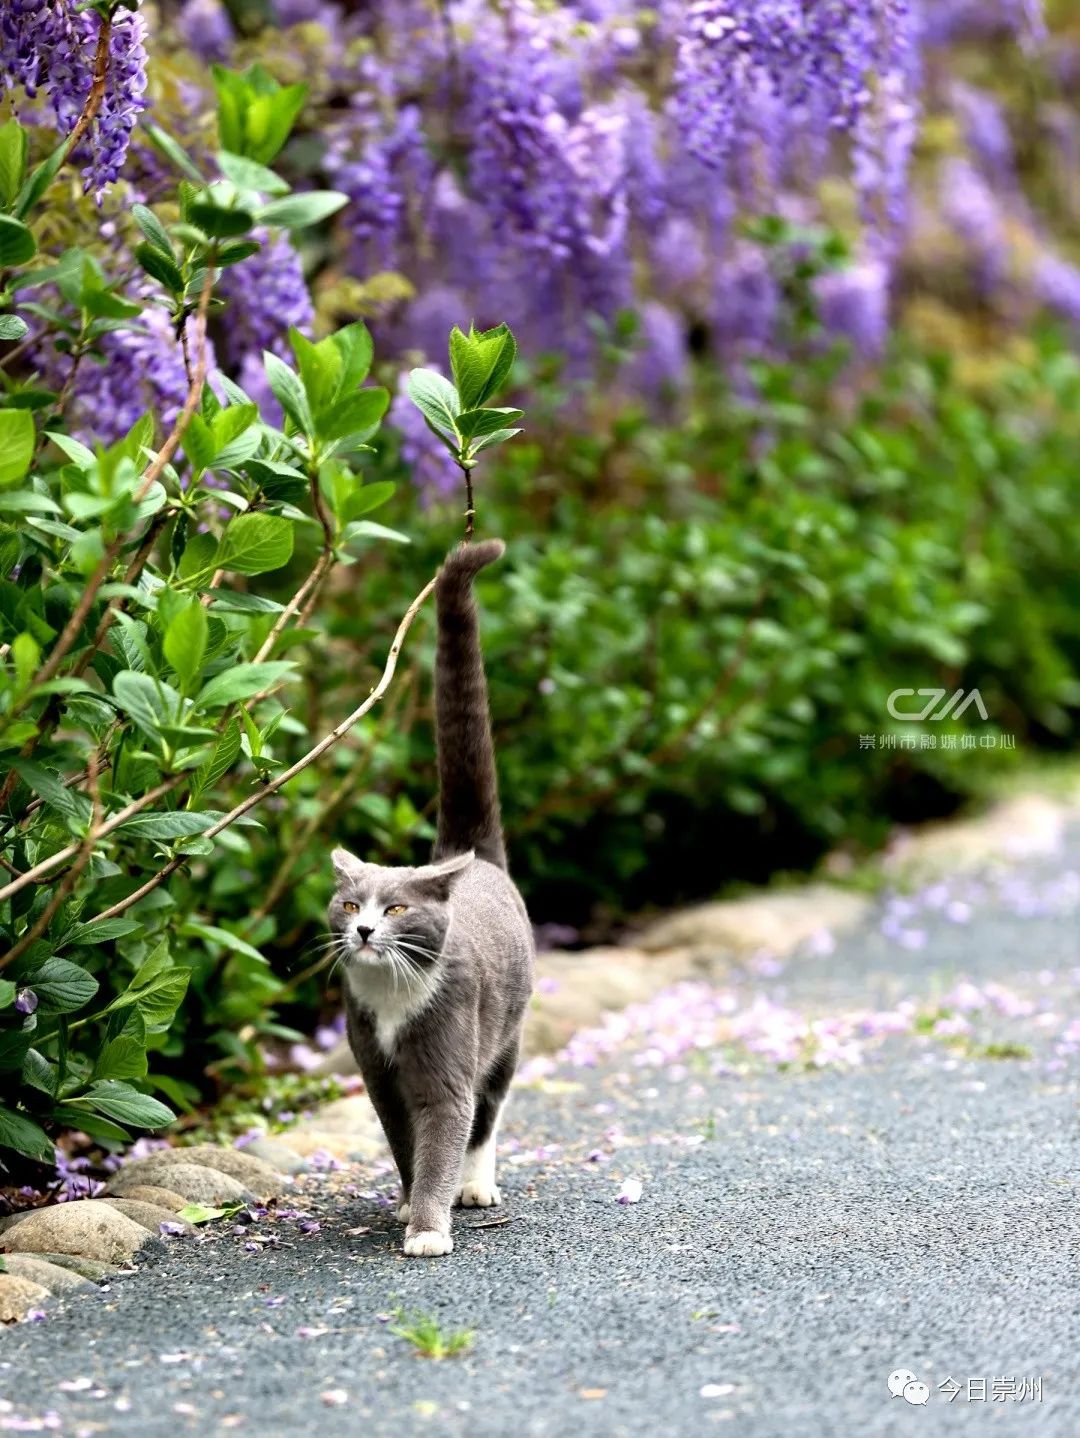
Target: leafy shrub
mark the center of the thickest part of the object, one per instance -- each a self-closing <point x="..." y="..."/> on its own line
<point x="699" y="620"/>
<point x="143" y="676"/>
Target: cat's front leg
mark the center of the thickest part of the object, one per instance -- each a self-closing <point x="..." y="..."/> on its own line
<point x="441" y="1132"/>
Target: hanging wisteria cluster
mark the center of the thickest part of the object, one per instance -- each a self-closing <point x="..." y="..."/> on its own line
<point x="565" y="163"/>
<point x="560" y="165"/>
<point x="51" y="45"/>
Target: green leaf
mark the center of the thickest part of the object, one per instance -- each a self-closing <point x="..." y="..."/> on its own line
<point x="7" y="993"/>
<point x="184" y="645"/>
<point x="353" y="343"/>
<point x="153" y="229"/>
<point x="14" y="148"/>
<point x="17" y="439"/>
<point x="248" y="174"/>
<point x="39" y="180"/>
<point x="198" y="556"/>
<point x="255" y="544"/>
<point x="170" y="824"/>
<point x="497" y="436"/>
<point x="159" y="1000"/>
<point x="25" y="1136"/>
<point x="241" y="682"/>
<point x="294" y="212"/>
<point x="61" y="986"/>
<point x="481" y="363"/>
<point x="199" y="443"/>
<point x="161" y="267"/>
<point x="476" y="422"/>
<point x="238" y="250"/>
<point x="221" y="760"/>
<point x="26" y="501"/>
<point x="218" y="222"/>
<point x="357" y="414"/>
<point x="100" y="931"/>
<point x="230" y="601"/>
<point x="173" y="153"/>
<point x="120" y="1101"/>
<point x="27" y="656"/>
<point x="13" y="327"/>
<point x="368" y="497"/>
<point x="215" y="935"/>
<point x="369" y="529"/>
<point x="77" y="452"/>
<point x="39" y="1073"/>
<point x="435" y="398"/>
<point x="14" y="1046"/>
<point x="17" y="244"/>
<point x="75" y="1115"/>
<point x="255" y="113"/>
<point x="148" y="702"/>
<point x="75" y="807"/>
<point x="289" y="392"/>
<point x="121" y="1058"/>
<point x="200" y="1213"/>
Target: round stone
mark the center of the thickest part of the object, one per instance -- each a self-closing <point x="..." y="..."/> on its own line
<point x="148" y="1215"/>
<point x="18" y="1295"/>
<point x="50" y="1276"/>
<point x="194" y="1182"/>
<point x="88" y="1227"/>
<point x="161" y="1197"/>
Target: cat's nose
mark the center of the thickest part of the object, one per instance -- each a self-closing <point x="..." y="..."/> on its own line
<point x="364" y="933"/>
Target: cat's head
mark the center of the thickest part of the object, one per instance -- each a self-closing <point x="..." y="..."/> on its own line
<point x="395" y="918"/>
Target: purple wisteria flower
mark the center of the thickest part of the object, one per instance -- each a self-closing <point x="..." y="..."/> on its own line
<point x="137" y="370"/>
<point x="1056" y="284"/>
<point x="69" y="79"/>
<point x="205" y="27"/>
<point x="267" y="295"/>
<point x="26" y="1001"/>
<point x="854" y="305"/>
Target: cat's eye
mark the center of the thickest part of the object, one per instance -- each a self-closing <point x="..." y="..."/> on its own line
<point x="396" y="909"/>
<point x="350" y="907"/>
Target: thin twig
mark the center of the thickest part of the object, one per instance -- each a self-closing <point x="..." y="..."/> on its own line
<point x="64" y="888"/>
<point x="309" y="588"/>
<point x="470" y="507"/>
<point x="38" y="872"/>
<point x="311" y="826"/>
<point x="283" y="778"/>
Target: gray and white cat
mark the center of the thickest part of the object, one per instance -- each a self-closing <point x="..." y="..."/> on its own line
<point x="438" y="960"/>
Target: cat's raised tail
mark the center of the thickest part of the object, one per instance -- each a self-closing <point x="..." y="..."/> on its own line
<point x="468" y="787"/>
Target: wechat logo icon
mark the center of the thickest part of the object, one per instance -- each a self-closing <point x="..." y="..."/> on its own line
<point x="904" y="1384"/>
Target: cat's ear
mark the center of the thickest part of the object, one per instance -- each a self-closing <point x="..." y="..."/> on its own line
<point x="436" y="881"/>
<point x="346" y="865"/>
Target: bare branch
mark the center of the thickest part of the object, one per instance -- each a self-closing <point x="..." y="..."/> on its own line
<point x="97" y="86"/>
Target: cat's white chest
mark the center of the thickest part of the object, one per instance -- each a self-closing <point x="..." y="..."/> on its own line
<point x="392" y="1008"/>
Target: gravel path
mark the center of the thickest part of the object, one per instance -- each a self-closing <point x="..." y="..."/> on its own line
<point x="904" y="1201"/>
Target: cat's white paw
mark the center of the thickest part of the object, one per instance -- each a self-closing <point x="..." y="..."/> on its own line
<point x="428" y="1245"/>
<point x="404" y="1209"/>
<point x="479" y="1195"/>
